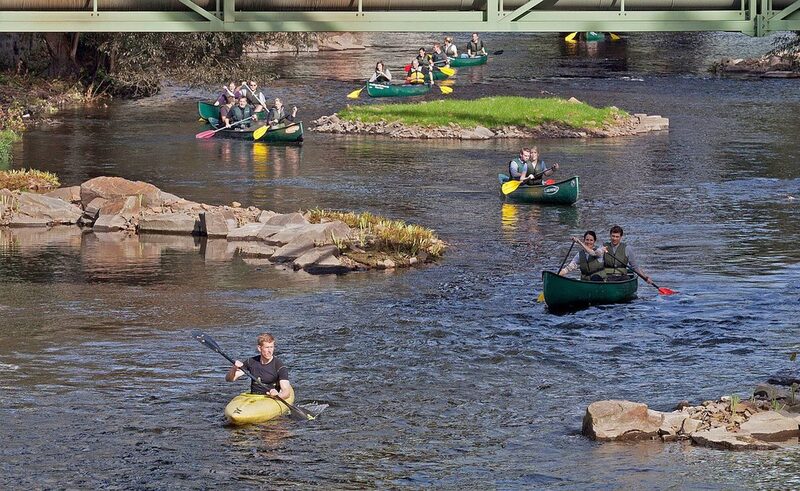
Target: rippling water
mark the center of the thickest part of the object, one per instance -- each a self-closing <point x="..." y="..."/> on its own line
<point x="445" y="376"/>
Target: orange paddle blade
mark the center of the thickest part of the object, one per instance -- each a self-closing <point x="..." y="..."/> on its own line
<point x="666" y="291"/>
<point x="549" y="182"/>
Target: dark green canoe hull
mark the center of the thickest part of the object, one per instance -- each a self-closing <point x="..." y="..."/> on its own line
<point x="437" y="75"/>
<point x="292" y="133"/>
<point x="207" y="110"/>
<point x="406" y="90"/>
<point x="461" y="62"/>
<point x="565" y="294"/>
<point x="565" y="192"/>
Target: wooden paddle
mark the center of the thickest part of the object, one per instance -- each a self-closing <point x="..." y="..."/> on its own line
<point x="662" y="291"/>
<point x="204" y="135"/>
<point x="209" y="343"/>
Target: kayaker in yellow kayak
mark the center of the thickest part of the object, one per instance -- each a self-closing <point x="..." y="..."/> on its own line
<point x="265" y="367"/>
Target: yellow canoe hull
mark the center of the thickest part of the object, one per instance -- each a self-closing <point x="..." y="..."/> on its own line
<point x="250" y="408"/>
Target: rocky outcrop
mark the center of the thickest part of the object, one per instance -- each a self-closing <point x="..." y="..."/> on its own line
<point x="632" y="125"/>
<point x="115" y="208"/>
<point x="620" y="420"/>
<point x="785" y="65"/>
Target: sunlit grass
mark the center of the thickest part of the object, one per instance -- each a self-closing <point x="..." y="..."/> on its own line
<point x="491" y="112"/>
<point x="7" y="138"/>
<point x="382" y="234"/>
<point x="25" y="180"/>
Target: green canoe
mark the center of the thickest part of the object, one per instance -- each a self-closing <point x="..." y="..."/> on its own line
<point x="207" y="110"/>
<point x="292" y="133"/>
<point x="560" y="193"/>
<point x="563" y="294"/>
<point x="474" y="61"/>
<point x="406" y="90"/>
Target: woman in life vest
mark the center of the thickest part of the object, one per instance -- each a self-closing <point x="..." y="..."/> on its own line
<point x="450" y="48"/>
<point x="382" y="75"/>
<point x="589" y="260"/>
<point x="539" y="168"/>
<point x="417" y="75"/>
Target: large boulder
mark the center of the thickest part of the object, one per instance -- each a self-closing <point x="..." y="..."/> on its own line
<point x="213" y="224"/>
<point x="71" y="194"/>
<point x="620" y="420"/>
<point x="722" y="439"/>
<point x="170" y="223"/>
<point x="771" y="426"/>
<point x="36" y="210"/>
<point x="117" y="187"/>
<point x="315" y="255"/>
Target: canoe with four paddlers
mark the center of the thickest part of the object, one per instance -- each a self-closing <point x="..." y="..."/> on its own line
<point x="563" y="294"/>
<point x="207" y="110"/>
<point x="468" y="61"/>
<point x="290" y="133"/>
<point x="405" y="90"/>
<point x="564" y="192"/>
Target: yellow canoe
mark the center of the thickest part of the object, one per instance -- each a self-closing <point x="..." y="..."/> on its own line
<point x="249" y="408"/>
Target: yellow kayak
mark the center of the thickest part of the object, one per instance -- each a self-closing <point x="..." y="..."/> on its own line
<point x="249" y="408"/>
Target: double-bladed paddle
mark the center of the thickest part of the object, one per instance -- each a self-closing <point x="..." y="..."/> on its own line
<point x="203" y="135"/>
<point x="209" y="343"/>
<point x="662" y="291"/>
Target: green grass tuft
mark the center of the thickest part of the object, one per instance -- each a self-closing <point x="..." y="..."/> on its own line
<point x="491" y="112"/>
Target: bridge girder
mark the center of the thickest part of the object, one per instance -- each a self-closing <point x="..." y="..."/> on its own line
<point x="755" y="17"/>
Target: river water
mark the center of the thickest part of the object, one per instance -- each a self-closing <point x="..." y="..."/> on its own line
<point x="445" y="376"/>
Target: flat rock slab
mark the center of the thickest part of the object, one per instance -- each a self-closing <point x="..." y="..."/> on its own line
<point x="722" y="439"/>
<point x="315" y="255"/>
<point x="287" y="219"/>
<point x="256" y="250"/>
<point x="291" y="251"/>
<point x="620" y="420"/>
<point x="317" y="232"/>
<point x="327" y="265"/>
<point x="117" y="187"/>
<point x="71" y="194"/>
<point x="771" y="426"/>
<point x="247" y="232"/>
<point x="34" y="210"/>
<point x="170" y="223"/>
<point x="213" y="224"/>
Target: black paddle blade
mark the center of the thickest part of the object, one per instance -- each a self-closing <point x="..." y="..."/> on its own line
<point x="206" y="340"/>
<point x="498" y="52"/>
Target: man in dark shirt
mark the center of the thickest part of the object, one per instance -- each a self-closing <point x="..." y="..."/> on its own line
<point x="265" y="367"/>
<point x="241" y="112"/>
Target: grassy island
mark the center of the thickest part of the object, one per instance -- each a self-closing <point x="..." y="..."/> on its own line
<point x="491" y="112"/>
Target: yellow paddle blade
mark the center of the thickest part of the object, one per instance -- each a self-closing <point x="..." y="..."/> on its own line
<point x="354" y="94"/>
<point x="445" y="90"/>
<point x="257" y="134"/>
<point x="447" y="71"/>
<point x="614" y="37"/>
<point x="570" y="37"/>
<point x="510" y="186"/>
<point x="540" y="298"/>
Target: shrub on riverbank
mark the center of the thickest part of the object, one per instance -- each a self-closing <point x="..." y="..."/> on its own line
<point x="491" y="112"/>
<point x="28" y="180"/>
<point x="382" y="234"/>
<point x="7" y="138"/>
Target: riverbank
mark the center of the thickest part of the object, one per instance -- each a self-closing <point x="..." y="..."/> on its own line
<point x="783" y="61"/>
<point x="490" y="117"/>
<point x="317" y="241"/>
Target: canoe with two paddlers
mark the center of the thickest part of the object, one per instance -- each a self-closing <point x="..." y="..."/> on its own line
<point x="468" y="61"/>
<point x="405" y="90"/>
<point x="564" y="192"/>
<point x="563" y="294"/>
<point x="206" y="110"/>
<point x="282" y="133"/>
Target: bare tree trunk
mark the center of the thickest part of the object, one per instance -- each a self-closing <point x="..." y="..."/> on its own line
<point x="62" y="48"/>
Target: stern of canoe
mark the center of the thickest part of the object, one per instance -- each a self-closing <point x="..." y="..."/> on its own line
<point x="563" y="294"/>
<point x="462" y="62"/>
<point x="405" y="90"/>
<point x="207" y="110"/>
<point x="287" y="134"/>
<point x="250" y="408"/>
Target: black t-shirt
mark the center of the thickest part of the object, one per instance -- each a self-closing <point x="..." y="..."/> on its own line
<point x="270" y="374"/>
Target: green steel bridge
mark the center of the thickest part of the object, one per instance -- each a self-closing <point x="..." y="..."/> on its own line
<point x="752" y="17"/>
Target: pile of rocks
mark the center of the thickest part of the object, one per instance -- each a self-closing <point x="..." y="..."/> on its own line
<point x="633" y="125"/>
<point x="773" y="66"/>
<point x="117" y="205"/>
<point x="728" y="423"/>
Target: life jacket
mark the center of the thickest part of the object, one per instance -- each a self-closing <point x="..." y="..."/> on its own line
<point x="522" y="168"/>
<point x="618" y="266"/>
<point x="416" y="76"/>
<point x="451" y="50"/>
<point x="439" y="59"/>
<point x="589" y="265"/>
<point x="474" y="47"/>
<point x="237" y="114"/>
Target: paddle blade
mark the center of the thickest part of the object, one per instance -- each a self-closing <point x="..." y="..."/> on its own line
<point x="445" y="90"/>
<point x="261" y="131"/>
<point x="614" y="37"/>
<point x="354" y="94"/>
<point x="204" y="134"/>
<point x="447" y="71"/>
<point x="206" y="340"/>
<point x="666" y="291"/>
<point x="540" y="298"/>
<point x="499" y="52"/>
<point x="407" y="67"/>
<point x="510" y="186"/>
<point x="570" y="37"/>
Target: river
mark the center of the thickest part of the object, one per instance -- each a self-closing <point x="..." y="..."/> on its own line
<point x="447" y="376"/>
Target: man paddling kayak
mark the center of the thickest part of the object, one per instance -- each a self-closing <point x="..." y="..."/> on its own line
<point x="264" y="367"/>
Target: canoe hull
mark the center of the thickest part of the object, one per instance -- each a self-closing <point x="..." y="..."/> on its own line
<point x="206" y="110"/>
<point x="462" y="62"/>
<point x="250" y="408"/>
<point x="565" y="294"/>
<point x="564" y="192"/>
<point x="406" y="90"/>
<point x="292" y="133"/>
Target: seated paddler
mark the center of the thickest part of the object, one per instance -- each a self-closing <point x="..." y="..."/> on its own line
<point x="381" y="75"/>
<point x="274" y="376"/>
<point x="239" y="114"/>
<point x="589" y="259"/>
<point x="539" y="169"/>
<point x="618" y="257"/>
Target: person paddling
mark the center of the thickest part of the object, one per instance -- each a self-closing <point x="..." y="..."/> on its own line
<point x="240" y="112"/>
<point x="438" y="58"/>
<point x="416" y="74"/>
<point x="475" y="47"/>
<point x="450" y="48"/>
<point x="589" y="260"/>
<point x="229" y="91"/>
<point x="265" y="367"/>
<point x="277" y="114"/>
<point x="539" y="168"/>
<point x="224" y="111"/>
<point x="619" y="257"/>
<point x="382" y="75"/>
<point x="255" y="96"/>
